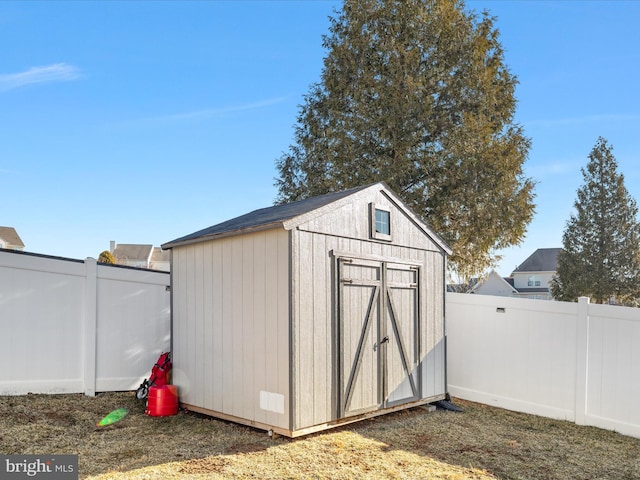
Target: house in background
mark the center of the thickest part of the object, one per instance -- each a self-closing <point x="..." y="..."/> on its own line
<point x="140" y="256"/>
<point x="530" y="279"/>
<point x="10" y="239"/>
<point x="494" y="284"/>
<point x="160" y="260"/>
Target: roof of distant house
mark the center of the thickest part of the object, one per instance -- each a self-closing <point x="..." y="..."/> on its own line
<point x="160" y="255"/>
<point x="9" y="235"/>
<point x="133" y="252"/>
<point x="542" y="260"/>
<point x="533" y="290"/>
<point x="493" y="274"/>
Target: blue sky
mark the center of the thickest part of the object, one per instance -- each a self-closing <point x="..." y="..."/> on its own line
<point x="141" y="122"/>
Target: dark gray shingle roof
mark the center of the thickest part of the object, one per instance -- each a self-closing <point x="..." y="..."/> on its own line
<point x="266" y="216"/>
<point x="542" y="260"/>
<point x="533" y="290"/>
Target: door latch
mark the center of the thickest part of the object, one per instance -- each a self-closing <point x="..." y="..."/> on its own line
<point x="384" y="340"/>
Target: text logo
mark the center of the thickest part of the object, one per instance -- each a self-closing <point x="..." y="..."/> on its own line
<point x="50" y="467"/>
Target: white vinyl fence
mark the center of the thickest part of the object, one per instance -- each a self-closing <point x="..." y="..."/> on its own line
<point x="72" y="326"/>
<point x="573" y="361"/>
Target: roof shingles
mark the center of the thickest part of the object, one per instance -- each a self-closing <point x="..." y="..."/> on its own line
<point x="265" y="216"/>
<point x="542" y="260"/>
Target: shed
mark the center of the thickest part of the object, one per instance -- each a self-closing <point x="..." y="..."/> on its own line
<point x="300" y="317"/>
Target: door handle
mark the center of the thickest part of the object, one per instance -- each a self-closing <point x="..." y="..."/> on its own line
<point x="384" y="340"/>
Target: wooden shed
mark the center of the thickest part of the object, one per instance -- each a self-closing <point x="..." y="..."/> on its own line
<point x="300" y="317"/>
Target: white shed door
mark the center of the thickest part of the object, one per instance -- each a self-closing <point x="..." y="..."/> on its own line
<point x="378" y="334"/>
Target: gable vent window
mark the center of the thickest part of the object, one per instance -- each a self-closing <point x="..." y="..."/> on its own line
<point x="383" y="222"/>
<point x="380" y="222"/>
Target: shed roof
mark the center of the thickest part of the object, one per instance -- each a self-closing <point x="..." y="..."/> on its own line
<point x="9" y="235"/>
<point x="542" y="260"/>
<point x="285" y="216"/>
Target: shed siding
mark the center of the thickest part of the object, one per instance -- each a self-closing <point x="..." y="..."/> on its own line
<point x="231" y="323"/>
<point x="347" y="230"/>
<point x="312" y="329"/>
<point x="432" y="336"/>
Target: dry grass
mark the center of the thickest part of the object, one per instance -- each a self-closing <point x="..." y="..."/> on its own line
<point x="481" y="443"/>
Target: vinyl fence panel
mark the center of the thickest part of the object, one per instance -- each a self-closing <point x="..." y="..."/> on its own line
<point x="613" y="366"/>
<point x="72" y="326"/>
<point x="514" y="353"/>
<point x="41" y="324"/>
<point x="133" y="325"/>
<point x="572" y="361"/>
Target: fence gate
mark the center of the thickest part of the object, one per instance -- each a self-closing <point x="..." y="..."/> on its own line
<point x="378" y="329"/>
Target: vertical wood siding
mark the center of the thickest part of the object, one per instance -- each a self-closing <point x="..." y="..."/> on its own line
<point x="347" y="230"/>
<point x="231" y="323"/>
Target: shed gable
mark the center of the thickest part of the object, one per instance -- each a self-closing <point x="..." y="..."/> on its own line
<point x="355" y="218"/>
<point x="348" y="213"/>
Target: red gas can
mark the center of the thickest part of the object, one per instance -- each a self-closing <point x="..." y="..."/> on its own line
<point x="162" y="401"/>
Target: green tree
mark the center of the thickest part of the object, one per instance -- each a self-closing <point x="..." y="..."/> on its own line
<point x="106" y="257"/>
<point x="601" y="242"/>
<point x="416" y="93"/>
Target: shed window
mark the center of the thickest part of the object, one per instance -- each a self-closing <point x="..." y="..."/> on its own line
<point x="380" y="222"/>
<point x="383" y="222"/>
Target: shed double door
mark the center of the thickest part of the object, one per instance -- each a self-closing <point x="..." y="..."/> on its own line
<point x="378" y="332"/>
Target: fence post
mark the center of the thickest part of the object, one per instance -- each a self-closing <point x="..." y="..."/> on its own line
<point x="90" y="325"/>
<point x="582" y="360"/>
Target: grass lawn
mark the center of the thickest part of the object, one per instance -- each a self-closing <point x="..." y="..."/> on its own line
<point x="481" y="443"/>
